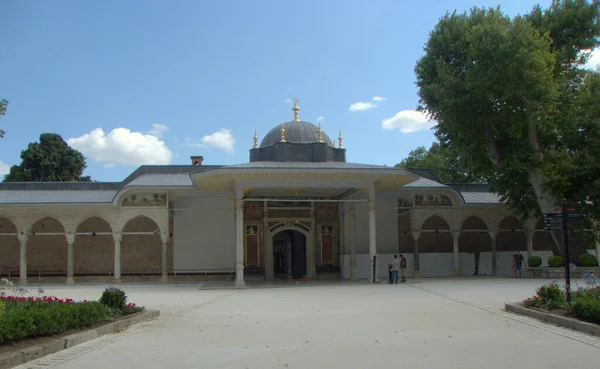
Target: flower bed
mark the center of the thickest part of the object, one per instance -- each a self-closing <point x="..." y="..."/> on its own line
<point x="23" y="316"/>
<point x="585" y="302"/>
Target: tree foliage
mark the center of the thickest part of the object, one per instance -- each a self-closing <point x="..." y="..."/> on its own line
<point x="50" y="160"/>
<point x="3" y="105"/>
<point x="511" y="97"/>
<point x="442" y="161"/>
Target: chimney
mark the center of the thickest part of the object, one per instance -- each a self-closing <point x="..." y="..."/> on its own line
<point x="197" y="160"/>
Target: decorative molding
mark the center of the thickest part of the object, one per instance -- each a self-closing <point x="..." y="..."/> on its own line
<point x="432" y="199"/>
<point x="145" y="199"/>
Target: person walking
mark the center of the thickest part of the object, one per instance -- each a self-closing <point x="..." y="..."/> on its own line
<point x="519" y="261"/>
<point x="395" y="269"/>
<point x="403" y="267"/>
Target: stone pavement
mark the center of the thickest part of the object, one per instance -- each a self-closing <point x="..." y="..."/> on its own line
<point x="431" y="323"/>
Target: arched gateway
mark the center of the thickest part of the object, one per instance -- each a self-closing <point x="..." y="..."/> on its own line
<point x="296" y="209"/>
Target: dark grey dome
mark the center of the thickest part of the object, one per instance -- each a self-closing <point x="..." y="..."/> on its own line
<point x="295" y="132"/>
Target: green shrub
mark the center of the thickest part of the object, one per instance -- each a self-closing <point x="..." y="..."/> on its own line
<point x="548" y="297"/>
<point x="555" y="261"/>
<point x="587" y="260"/>
<point x="114" y="298"/>
<point x="586" y="308"/>
<point x="534" y="261"/>
<point x="48" y="318"/>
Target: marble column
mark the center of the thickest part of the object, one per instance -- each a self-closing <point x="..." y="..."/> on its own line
<point x="529" y="233"/>
<point x="353" y="275"/>
<point x="493" y="235"/>
<point x="117" y="237"/>
<point x="372" y="244"/>
<point x="455" y="235"/>
<point x="164" y="237"/>
<point x="311" y="265"/>
<point x="239" y="243"/>
<point x="415" y="236"/>
<point x="23" y="258"/>
<point x="267" y="245"/>
<point x="70" y="258"/>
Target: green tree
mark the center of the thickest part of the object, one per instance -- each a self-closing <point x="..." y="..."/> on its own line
<point x="442" y="161"/>
<point x="506" y="93"/>
<point x="50" y="160"/>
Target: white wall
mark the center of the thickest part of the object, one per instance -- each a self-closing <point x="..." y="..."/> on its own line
<point x="361" y="228"/>
<point x="386" y="220"/>
<point x="204" y="239"/>
<point x="362" y="265"/>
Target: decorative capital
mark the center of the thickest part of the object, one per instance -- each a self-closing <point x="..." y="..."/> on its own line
<point x="296" y="109"/>
<point x="371" y="204"/>
<point x="493" y="233"/>
<point x="23" y="239"/>
<point x="117" y="237"/>
<point x="70" y="238"/>
<point x="282" y="130"/>
<point x="164" y="237"/>
<point x="416" y="235"/>
<point x="239" y="204"/>
<point x="255" y="146"/>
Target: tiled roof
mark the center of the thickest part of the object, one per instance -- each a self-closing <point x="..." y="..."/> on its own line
<point x="481" y="198"/>
<point x="56" y="196"/>
<point x="424" y="182"/>
<point x="306" y="165"/>
<point x="166" y="180"/>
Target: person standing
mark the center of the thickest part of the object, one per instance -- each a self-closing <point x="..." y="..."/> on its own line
<point x="519" y="261"/>
<point x="402" y="268"/>
<point x="395" y="268"/>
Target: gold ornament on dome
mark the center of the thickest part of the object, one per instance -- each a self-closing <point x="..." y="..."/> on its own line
<point x="320" y="133"/>
<point x="282" y="130"/>
<point x="255" y="140"/>
<point x="340" y="140"/>
<point x="296" y="109"/>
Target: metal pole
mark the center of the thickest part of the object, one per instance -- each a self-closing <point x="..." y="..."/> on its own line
<point x="567" y="259"/>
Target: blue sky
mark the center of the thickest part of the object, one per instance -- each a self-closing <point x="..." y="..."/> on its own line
<point x="135" y="82"/>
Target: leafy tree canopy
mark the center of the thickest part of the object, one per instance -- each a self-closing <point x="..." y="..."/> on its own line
<point x="50" y="160"/>
<point x="511" y="97"/>
<point x="3" y="105"/>
<point x="442" y="161"/>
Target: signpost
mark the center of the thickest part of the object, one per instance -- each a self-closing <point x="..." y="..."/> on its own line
<point x="560" y="222"/>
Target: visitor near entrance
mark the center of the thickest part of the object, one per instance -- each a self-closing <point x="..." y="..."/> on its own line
<point x="518" y="261"/>
<point x="395" y="269"/>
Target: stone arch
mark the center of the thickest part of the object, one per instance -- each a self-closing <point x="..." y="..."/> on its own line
<point x="47" y="248"/>
<point x="9" y="248"/>
<point x="511" y="235"/>
<point x="435" y="235"/>
<point x="94" y="247"/>
<point x="474" y="235"/>
<point x="141" y="247"/>
<point x="276" y="228"/>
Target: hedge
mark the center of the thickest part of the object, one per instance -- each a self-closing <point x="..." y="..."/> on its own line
<point x="587" y="309"/>
<point x="31" y="318"/>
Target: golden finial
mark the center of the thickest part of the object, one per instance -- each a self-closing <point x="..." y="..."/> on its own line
<point x="340" y="140"/>
<point x="282" y="133"/>
<point x="295" y="109"/>
<point x="320" y="133"/>
<point x="255" y="140"/>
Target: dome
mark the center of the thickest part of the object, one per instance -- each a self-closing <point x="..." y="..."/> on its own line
<point x="295" y="132"/>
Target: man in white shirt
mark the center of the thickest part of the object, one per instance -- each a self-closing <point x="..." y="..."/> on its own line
<point x="395" y="269"/>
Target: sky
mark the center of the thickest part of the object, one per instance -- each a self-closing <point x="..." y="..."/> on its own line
<point x="129" y="83"/>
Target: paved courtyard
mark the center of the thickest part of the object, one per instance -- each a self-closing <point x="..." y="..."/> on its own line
<point x="432" y="323"/>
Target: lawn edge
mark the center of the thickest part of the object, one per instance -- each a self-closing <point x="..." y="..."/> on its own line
<point x="561" y="321"/>
<point x="12" y="359"/>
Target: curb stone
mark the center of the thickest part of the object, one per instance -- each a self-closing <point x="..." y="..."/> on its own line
<point x="12" y="359"/>
<point x="561" y="321"/>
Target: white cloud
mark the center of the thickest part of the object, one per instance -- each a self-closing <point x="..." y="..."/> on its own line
<point x="320" y="119"/>
<point x="288" y="100"/>
<point x="365" y="105"/>
<point x="158" y="130"/>
<point x="594" y="59"/>
<point x="122" y="147"/>
<point x="222" y="139"/>
<point x="361" y="105"/>
<point x="408" y="121"/>
<point x="4" y="168"/>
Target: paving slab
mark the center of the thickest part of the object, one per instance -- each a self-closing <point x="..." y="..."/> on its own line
<point x="436" y="323"/>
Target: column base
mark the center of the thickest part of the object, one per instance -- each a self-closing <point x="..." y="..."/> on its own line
<point x="240" y="284"/>
<point x="164" y="279"/>
<point x="117" y="280"/>
<point x="70" y="280"/>
<point x="417" y="274"/>
<point x="456" y="272"/>
<point x="23" y="281"/>
<point x="494" y="271"/>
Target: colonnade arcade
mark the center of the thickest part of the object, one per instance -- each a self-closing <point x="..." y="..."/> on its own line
<point x="76" y="242"/>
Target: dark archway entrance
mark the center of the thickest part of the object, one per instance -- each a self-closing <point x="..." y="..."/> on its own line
<point x="289" y="254"/>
